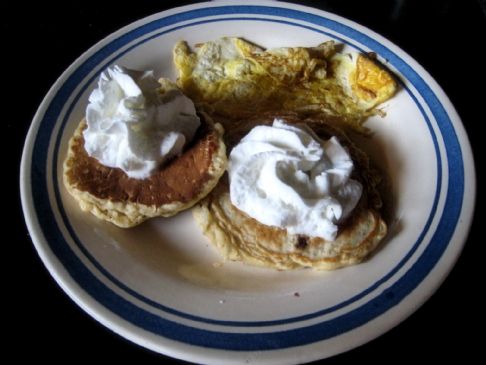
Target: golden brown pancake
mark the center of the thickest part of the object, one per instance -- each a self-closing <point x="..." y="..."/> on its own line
<point x="110" y="194"/>
<point x="239" y="237"/>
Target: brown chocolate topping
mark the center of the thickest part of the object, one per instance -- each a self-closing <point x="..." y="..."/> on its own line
<point x="180" y="180"/>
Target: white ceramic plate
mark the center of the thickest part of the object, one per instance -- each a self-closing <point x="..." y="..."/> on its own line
<point x="157" y="284"/>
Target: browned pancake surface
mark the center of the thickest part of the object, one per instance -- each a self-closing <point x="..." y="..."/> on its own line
<point x="180" y="180"/>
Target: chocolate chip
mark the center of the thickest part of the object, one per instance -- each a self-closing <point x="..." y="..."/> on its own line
<point x="302" y="242"/>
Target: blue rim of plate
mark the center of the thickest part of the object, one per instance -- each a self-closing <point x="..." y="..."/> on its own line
<point x="229" y="340"/>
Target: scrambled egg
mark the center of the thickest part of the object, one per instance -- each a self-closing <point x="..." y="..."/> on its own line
<point x="235" y="79"/>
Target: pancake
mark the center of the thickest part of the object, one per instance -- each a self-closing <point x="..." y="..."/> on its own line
<point x="110" y="194"/>
<point x="238" y="237"/>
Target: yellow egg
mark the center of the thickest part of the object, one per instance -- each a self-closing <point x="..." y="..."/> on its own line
<point x="236" y="79"/>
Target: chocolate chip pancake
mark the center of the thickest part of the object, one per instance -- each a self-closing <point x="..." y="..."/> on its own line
<point x="238" y="237"/>
<point x="110" y="194"/>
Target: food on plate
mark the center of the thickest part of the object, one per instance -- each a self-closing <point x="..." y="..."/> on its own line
<point x="142" y="151"/>
<point x="234" y="79"/>
<point x="298" y="193"/>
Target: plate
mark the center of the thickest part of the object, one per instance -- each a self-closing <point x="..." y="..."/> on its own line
<point x="162" y="286"/>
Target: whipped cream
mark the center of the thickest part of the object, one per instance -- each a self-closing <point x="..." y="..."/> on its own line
<point x="135" y="127"/>
<point x="285" y="176"/>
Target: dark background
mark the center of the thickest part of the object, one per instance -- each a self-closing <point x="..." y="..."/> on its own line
<point x="447" y="37"/>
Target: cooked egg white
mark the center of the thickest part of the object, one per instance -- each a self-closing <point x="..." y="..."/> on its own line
<point x="236" y="79"/>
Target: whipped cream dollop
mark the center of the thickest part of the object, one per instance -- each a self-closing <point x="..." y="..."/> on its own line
<point x="285" y="176"/>
<point x="132" y="125"/>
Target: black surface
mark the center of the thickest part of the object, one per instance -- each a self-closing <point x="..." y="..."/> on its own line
<point x="42" y="40"/>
